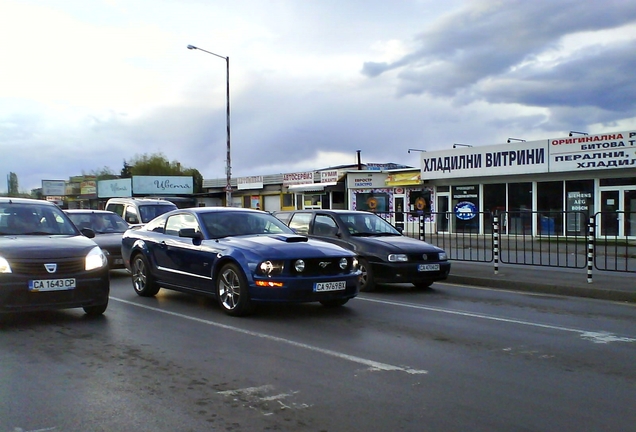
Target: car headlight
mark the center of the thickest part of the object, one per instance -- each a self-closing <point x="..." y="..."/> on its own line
<point x="299" y="265"/>
<point x="270" y="268"/>
<point x="442" y="256"/>
<point x="95" y="259"/>
<point x="4" y="266"/>
<point x="343" y="263"/>
<point x="354" y="264"/>
<point x="398" y="258"/>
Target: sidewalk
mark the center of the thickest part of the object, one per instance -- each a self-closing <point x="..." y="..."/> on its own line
<point x="605" y="285"/>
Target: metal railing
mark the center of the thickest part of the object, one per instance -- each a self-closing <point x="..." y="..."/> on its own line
<point x="547" y="238"/>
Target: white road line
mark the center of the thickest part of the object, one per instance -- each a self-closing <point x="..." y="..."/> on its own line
<point x="373" y="365"/>
<point x="594" y="336"/>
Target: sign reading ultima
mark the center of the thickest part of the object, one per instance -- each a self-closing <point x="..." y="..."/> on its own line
<point x="604" y="151"/>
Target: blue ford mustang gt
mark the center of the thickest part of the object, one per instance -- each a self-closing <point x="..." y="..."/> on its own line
<point x="241" y="256"/>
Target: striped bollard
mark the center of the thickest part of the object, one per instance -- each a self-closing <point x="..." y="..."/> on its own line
<point x="495" y="249"/>
<point x="590" y="250"/>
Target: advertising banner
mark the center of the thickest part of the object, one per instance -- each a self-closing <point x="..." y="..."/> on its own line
<point x="119" y="188"/>
<point x="162" y="185"/>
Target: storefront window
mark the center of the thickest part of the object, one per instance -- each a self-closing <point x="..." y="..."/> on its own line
<point x="579" y="205"/>
<point x="494" y="203"/>
<point x="549" y="207"/>
<point x="465" y="208"/>
<point x="377" y="202"/>
<point x="520" y="208"/>
<point x="420" y="202"/>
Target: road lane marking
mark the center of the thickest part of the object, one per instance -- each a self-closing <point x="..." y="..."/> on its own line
<point x="594" y="336"/>
<point x="371" y="364"/>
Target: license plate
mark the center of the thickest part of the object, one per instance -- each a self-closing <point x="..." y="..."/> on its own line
<point x="428" y="267"/>
<point x="329" y="286"/>
<point x="39" y="285"/>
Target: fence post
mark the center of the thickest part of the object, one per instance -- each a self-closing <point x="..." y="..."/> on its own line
<point x="495" y="251"/>
<point x="590" y="249"/>
<point x="422" y="233"/>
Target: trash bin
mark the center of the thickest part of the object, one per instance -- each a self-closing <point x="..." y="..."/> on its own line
<point x="547" y="225"/>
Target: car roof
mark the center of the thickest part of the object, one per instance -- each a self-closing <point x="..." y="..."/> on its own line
<point x="25" y="201"/>
<point x="142" y="200"/>
<point x="333" y="211"/>
<point x="214" y="209"/>
<point x="79" y="211"/>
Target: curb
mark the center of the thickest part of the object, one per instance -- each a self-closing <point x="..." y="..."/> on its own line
<point x="543" y="288"/>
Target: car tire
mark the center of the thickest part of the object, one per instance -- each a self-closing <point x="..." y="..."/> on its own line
<point x="367" y="284"/>
<point x="143" y="282"/>
<point x="96" y="310"/>
<point x="334" y="303"/>
<point x="232" y="291"/>
<point x="423" y="285"/>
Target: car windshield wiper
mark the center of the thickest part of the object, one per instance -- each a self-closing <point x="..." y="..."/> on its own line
<point x="386" y="234"/>
<point x="36" y="233"/>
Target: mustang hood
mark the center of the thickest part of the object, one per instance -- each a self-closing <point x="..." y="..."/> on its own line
<point x="290" y="245"/>
<point x="42" y="246"/>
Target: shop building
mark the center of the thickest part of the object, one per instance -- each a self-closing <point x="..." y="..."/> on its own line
<point x="564" y="181"/>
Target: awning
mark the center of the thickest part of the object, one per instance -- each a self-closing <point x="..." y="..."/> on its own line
<point x="311" y="187"/>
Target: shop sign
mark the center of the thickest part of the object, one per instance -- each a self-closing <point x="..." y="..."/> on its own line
<point x="330" y="176"/>
<point x="53" y="187"/>
<point x="117" y="188"/>
<point x="162" y="185"/>
<point x="465" y="210"/>
<point x="606" y="151"/>
<point x="298" y="178"/>
<point x="252" y="182"/>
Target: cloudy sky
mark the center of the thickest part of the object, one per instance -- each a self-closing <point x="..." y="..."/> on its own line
<point x="85" y="85"/>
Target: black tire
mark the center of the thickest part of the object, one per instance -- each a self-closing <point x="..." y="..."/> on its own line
<point x="367" y="283"/>
<point x="423" y="285"/>
<point x="232" y="292"/>
<point x="334" y="303"/>
<point x="143" y="282"/>
<point x="96" y="310"/>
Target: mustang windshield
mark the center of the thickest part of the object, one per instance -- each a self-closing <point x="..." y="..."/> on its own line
<point x="30" y="219"/>
<point x="224" y="224"/>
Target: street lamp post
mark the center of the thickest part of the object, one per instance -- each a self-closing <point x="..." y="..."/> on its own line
<point x="228" y="164"/>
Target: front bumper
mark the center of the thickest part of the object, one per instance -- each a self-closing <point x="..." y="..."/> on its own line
<point x="92" y="289"/>
<point x="408" y="272"/>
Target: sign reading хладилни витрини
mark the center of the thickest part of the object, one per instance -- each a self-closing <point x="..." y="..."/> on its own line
<point x="604" y="151"/>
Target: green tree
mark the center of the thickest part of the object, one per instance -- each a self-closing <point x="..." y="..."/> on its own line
<point x="104" y="173"/>
<point x="157" y="165"/>
<point x="12" y="181"/>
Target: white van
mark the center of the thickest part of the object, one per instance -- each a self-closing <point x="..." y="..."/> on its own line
<point x="139" y="211"/>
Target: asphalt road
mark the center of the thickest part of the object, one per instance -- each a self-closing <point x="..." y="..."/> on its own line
<point x="450" y="359"/>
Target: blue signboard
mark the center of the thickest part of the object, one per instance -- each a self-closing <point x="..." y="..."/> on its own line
<point x="465" y="210"/>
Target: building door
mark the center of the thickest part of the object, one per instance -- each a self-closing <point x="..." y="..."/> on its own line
<point x="618" y="212"/>
<point x="443" y="213"/>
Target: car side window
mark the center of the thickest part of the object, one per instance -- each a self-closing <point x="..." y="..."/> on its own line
<point x="116" y="208"/>
<point x="300" y="223"/>
<point x="180" y="221"/>
<point x="283" y="217"/>
<point x="325" y="226"/>
<point x="131" y="215"/>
